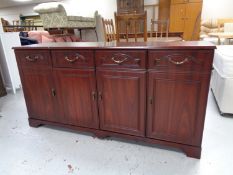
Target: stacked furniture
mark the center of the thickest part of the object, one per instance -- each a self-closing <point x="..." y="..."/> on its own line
<point x="152" y="92"/>
<point x="217" y="26"/>
<point x="222" y="78"/>
<point x="53" y="15"/>
<point x="131" y="19"/>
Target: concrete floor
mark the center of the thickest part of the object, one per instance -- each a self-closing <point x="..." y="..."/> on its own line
<point x="56" y="151"/>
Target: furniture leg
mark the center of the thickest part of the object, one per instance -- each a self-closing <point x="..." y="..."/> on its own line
<point x="96" y="35"/>
<point x="34" y="123"/>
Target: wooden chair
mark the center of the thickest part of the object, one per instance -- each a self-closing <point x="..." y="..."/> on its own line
<point x="162" y="31"/>
<point x="135" y="20"/>
<point x="162" y="28"/>
<point x="30" y="24"/>
<point x="5" y="25"/>
<point x="109" y="32"/>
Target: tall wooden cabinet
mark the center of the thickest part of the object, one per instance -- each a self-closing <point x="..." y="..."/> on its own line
<point x="130" y="6"/>
<point x="149" y="92"/>
<point x="125" y="7"/>
<point x="185" y="17"/>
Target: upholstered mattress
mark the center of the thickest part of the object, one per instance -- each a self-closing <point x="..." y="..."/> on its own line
<point x="223" y="60"/>
<point x="222" y="78"/>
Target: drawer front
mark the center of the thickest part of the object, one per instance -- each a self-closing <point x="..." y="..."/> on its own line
<point x="73" y="58"/>
<point x="181" y="60"/>
<point x="121" y="59"/>
<point x="33" y="57"/>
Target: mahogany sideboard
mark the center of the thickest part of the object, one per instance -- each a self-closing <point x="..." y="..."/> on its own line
<point x="147" y="91"/>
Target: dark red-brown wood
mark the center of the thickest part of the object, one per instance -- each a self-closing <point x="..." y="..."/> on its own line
<point x="173" y="103"/>
<point x="122" y="101"/>
<point x="76" y="97"/>
<point x="152" y="92"/>
<point x="38" y="86"/>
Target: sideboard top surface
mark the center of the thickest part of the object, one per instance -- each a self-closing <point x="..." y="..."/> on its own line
<point x="122" y="45"/>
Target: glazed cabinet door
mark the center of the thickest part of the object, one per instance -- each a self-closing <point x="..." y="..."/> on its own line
<point x="176" y="106"/>
<point x="76" y="97"/>
<point x="38" y="91"/>
<point x="121" y="96"/>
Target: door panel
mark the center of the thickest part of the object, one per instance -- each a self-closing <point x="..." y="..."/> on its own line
<point x="37" y="86"/>
<point x="122" y="101"/>
<point x="173" y="105"/>
<point x="76" y="97"/>
<point x="177" y="15"/>
<point x="192" y="21"/>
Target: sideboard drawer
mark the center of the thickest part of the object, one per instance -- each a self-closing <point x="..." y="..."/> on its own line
<point x="181" y="60"/>
<point x="121" y="59"/>
<point x="33" y="57"/>
<point x="73" y="58"/>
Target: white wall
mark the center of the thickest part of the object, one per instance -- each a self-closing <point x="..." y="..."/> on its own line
<point x="211" y="8"/>
<point x="13" y="13"/>
<point x="87" y="7"/>
<point x="217" y="9"/>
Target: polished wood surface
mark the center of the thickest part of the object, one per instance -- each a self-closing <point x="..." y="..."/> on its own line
<point x="73" y="59"/>
<point x="124" y="59"/>
<point x="76" y="97"/>
<point x="185" y="17"/>
<point x="130" y="6"/>
<point x="179" y="45"/>
<point x="122" y="101"/>
<point x="38" y="89"/>
<point x="152" y="92"/>
<point x="164" y="9"/>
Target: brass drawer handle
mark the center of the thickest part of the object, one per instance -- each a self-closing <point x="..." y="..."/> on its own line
<point x="33" y="59"/>
<point x="118" y="61"/>
<point x="76" y="58"/>
<point x="178" y="62"/>
<point x="120" y="58"/>
<point x="71" y="60"/>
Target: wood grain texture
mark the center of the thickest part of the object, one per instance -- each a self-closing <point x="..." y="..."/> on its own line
<point x="122" y="101"/>
<point x="130" y="6"/>
<point x="76" y="97"/>
<point x="178" y="61"/>
<point x="73" y="59"/>
<point x="121" y="59"/>
<point x="160" y="98"/>
<point x="37" y="85"/>
<point x="179" y="45"/>
<point x="173" y="109"/>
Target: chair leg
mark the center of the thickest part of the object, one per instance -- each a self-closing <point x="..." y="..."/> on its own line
<point x="80" y="33"/>
<point x="96" y="34"/>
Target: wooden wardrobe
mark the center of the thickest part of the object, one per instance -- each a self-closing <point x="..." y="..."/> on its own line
<point x="185" y="16"/>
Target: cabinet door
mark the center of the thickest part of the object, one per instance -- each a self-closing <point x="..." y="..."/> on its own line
<point x="176" y="106"/>
<point x="177" y="16"/>
<point x="38" y="92"/>
<point x="192" y="21"/>
<point x="178" y="1"/>
<point x="122" y="101"/>
<point x="76" y="97"/>
<point x="130" y="6"/>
